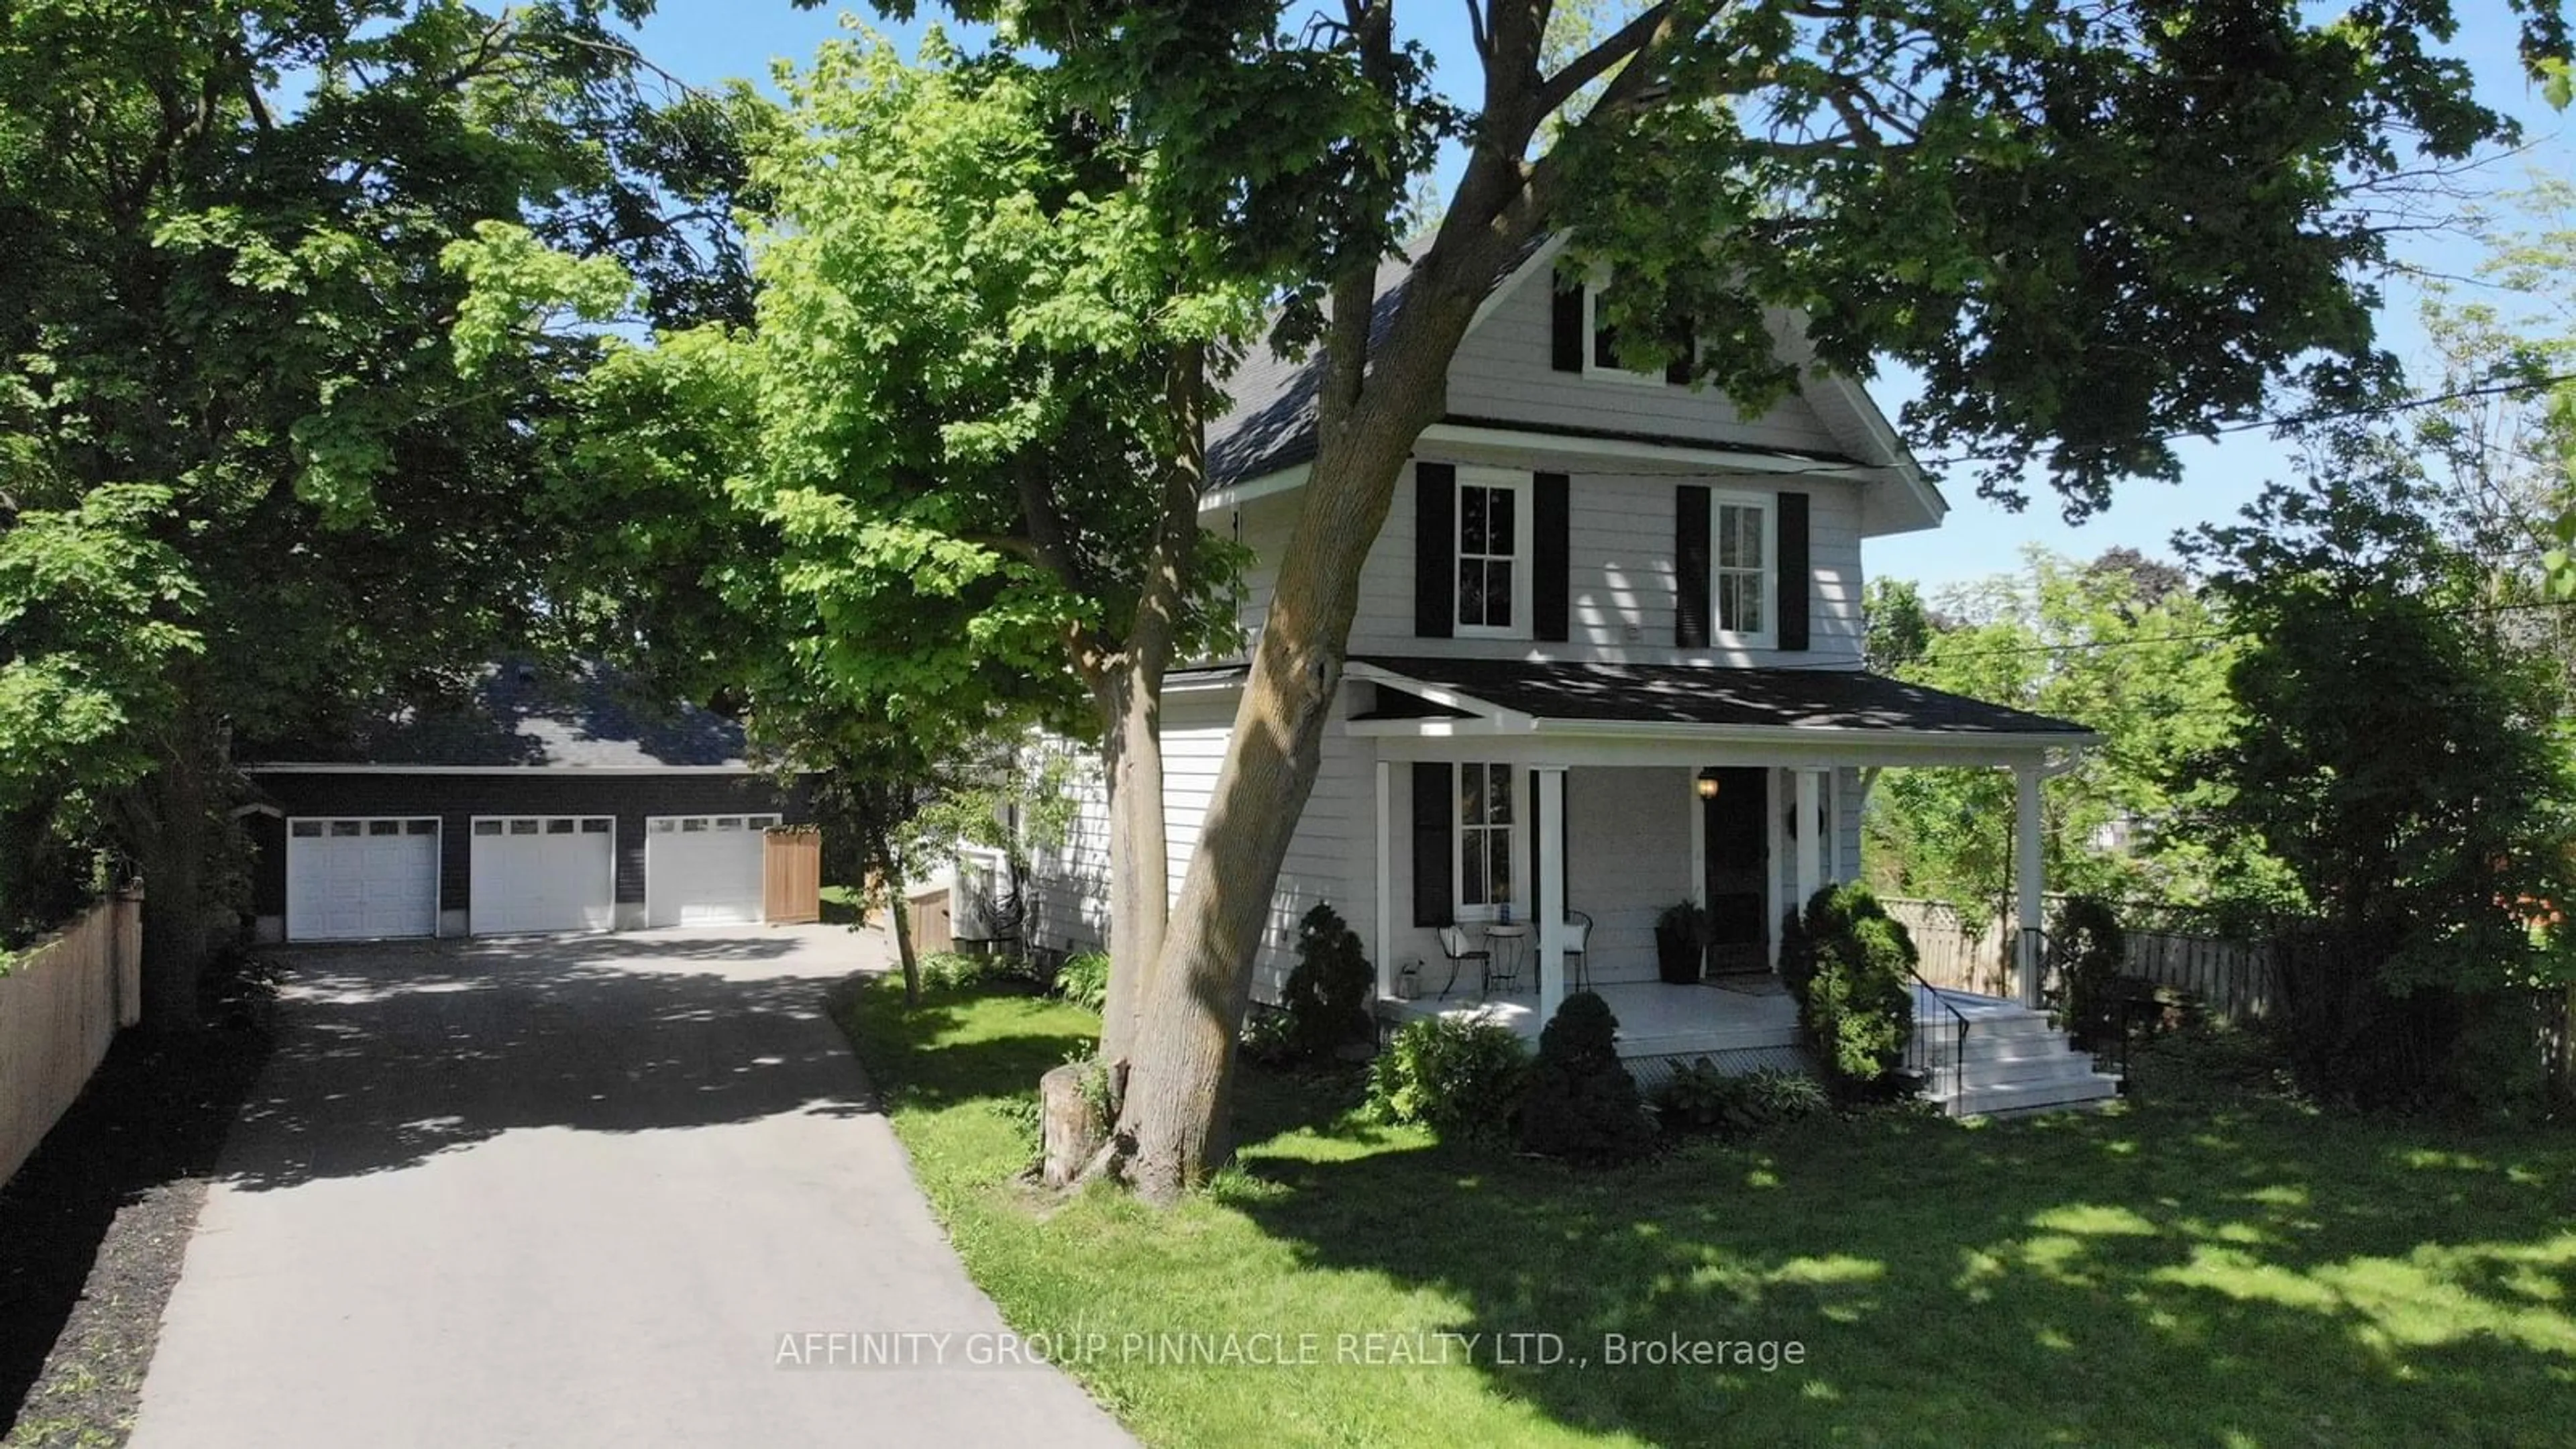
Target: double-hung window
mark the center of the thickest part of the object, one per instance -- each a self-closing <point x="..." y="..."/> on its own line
<point x="1485" y="862"/>
<point x="1493" y="554"/>
<point x="1744" y="565"/>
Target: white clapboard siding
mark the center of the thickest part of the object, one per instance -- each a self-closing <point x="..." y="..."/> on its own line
<point x="1324" y="864"/>
<point x="1620" y="547"/>
<point x="1502" y="372"/>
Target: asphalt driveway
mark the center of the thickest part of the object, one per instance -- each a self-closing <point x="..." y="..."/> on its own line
<point x="577" y="1191"/>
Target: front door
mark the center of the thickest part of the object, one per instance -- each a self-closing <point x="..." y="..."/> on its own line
<point x="1737" y="836"/>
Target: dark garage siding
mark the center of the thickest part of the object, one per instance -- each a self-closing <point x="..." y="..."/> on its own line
<point x="457" y="799"/>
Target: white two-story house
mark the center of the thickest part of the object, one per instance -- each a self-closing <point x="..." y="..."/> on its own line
<point x="1607" y="660"/>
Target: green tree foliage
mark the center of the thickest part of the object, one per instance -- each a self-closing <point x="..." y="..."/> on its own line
<point x="2404" y="757"/>
<point x="1896" y="626"/>
<point x="948" y="480"/>
<point x="220" y="232"/>
<point x="2122" y="647"/>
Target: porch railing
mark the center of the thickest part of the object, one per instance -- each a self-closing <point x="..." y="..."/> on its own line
<point x="1922" y="1050"/>
<point x="2103" y="1030"/>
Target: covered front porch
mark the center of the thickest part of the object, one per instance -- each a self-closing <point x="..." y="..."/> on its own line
<point x="1534" y="820"/>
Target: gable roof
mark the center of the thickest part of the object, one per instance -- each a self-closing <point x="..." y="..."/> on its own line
<point x="1269" y="425"/>
<point x="519" y="715"/>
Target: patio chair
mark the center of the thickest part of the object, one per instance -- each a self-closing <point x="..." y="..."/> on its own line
<point x="1454" y="945"/>
<point x="1578" y="946"/>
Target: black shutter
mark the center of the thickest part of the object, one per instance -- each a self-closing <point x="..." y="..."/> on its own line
<point x="1797" y="579"/>
<point x="1567" y="343"/>
<point x="1435" y="550"/>
<point x="1435" y="807"/>
<point x="1551" y="563"/>
<point x="1690" y="566"/>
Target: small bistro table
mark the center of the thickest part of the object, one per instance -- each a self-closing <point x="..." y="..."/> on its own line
<point x="1509" y="941"/>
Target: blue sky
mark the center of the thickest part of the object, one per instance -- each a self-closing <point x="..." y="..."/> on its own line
<point x="708" y="40"/>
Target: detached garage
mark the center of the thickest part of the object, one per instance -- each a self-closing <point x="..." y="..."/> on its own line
<point x="537" y="802"/>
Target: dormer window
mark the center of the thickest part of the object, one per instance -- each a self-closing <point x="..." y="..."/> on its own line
<point x="1602" y="359"/>
<point x="1493" y="599"/>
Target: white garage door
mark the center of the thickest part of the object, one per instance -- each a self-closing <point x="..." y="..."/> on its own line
<point x="544" y="873"/>
<point x="361" y="879"/>
<point x="703" y="870"/>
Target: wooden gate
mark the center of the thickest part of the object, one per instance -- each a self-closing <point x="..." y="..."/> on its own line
<point x="791" y="875"/>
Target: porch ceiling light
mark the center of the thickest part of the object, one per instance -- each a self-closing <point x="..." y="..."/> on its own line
<point x="1706" y="784"/>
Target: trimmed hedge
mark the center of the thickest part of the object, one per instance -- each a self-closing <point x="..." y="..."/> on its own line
<point x="1850" y="966"/>
<point x="1581" y="1104"/>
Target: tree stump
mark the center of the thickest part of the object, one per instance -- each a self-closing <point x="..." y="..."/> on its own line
<point x="1070" y="1131"/>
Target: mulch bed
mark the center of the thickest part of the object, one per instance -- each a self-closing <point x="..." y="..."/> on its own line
<point x="93" y="1227"/>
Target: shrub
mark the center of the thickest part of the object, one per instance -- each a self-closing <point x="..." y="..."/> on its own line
<point x="1777" y="1094"/>
<point x="1083" y="980"/>
<point x="1700" y="1098"/>
<point x="1854" y="985"/>
<point x="1265" y="1040"/>
<point x="2091" y="950"/>
<point x="1326" y="996"/>
<point x="957" y="971"/>
<point x="1459" y="1076"/>
<point x="1581" y="1104"/>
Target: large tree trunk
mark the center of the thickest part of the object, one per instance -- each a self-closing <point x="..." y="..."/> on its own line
<point x="1139" y="861"/>
<point x="1128" y="692"/>
<point x="1182" y="1066"/>
<point x="898" y="910"/>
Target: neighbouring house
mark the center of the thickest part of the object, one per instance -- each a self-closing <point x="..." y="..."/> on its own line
<point x="1607" y="659"/>
<point x="543" y="800"/>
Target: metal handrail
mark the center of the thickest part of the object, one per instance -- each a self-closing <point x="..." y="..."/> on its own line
<point x="1917" y="1058"/>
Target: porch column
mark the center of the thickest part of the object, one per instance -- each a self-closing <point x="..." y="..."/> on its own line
<point x="1385" y="952"/>
<point x="1811" y="844"/>
<point x="1551" y="890"/>
<point x="2026" y="878"/>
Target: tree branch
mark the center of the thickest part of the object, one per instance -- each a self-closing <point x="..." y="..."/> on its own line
<point x="1629" y="40"/>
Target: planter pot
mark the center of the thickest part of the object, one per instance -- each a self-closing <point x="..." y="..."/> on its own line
<point x="1677" y="962"/>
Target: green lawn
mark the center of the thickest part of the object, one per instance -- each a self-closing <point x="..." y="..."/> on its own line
<point x="2215" y="1266"/>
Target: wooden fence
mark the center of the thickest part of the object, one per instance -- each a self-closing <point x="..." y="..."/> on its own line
<point x="791" y="875"/>
<point x="1973" y="952"/>
<point x="60" y="1007"/>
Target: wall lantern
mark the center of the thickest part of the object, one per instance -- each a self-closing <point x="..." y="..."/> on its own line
<point x="1706" y="783"/>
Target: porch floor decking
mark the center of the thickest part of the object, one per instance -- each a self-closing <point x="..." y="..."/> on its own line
<point x="1661" y="1019"/>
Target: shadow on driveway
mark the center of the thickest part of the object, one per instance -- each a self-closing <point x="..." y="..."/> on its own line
<point x="391" y="1053"/>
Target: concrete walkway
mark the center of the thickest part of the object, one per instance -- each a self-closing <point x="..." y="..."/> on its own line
<point x="576" y="1191"/>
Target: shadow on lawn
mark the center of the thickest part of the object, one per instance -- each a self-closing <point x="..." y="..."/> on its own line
<point x="2152" y="1277"/>
<point x="390" y="1054"/>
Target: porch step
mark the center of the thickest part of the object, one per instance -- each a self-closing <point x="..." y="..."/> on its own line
<point x="2089" y="1088"/>
<point x="2013" y="1060"/>
<point x="2019" y="1024"/>
<point x="1981" y="1049"/>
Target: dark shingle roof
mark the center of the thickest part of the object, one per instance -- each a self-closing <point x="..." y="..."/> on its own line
<point x="531" y="716"/>
<point x="1271" y="422"/>
<point x="1841" y="699"/>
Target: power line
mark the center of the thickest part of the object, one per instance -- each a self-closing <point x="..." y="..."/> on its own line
<point x="2239" y="631"/>
<point x="1817" y="469"/>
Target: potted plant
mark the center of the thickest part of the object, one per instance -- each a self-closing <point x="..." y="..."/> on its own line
<point x="1681" y="943"/>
